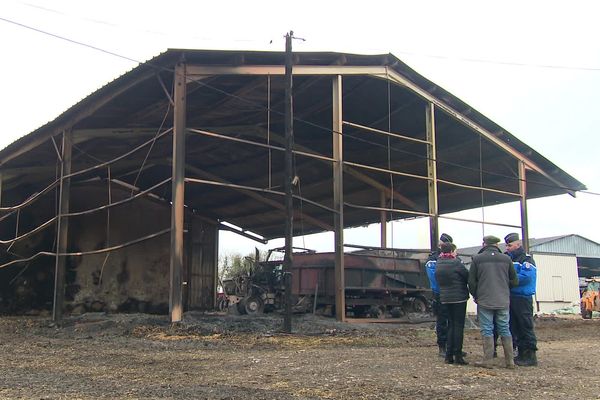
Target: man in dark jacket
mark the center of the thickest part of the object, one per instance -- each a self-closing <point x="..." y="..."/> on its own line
<point x="491" y="276"/>
<point x="441" y="313"/>
<point x="521" y="302"/>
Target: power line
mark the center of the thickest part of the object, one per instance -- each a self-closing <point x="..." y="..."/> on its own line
<point x="428" y="55"/>
<point x="262" y="107"/>
<point x="123" y="27"/>
<point x="500" y="62"/>
<point x="70" y="40"/>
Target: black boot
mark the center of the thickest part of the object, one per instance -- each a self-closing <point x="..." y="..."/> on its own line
<point x="528" y="358"/>
<point x="449" y="359"/>
<point x="442" y="350"/>
<point x="459" y="360"/>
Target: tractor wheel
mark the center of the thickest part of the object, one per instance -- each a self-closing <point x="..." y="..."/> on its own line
<point x="419" y="305"/>
<point x="241" y="306"/>
<point x="377" y="312"/>
<point x="398" y="312"/>
<point x="254" y="305"/>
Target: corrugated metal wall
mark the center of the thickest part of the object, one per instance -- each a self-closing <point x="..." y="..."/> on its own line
<point x="202" y="275"/>
<point x="557" y="280"/>
<point x="572" y="244"/>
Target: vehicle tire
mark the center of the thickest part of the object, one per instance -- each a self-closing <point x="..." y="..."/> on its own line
<point x="361" y="311"/>
<point x="398" y="312"/>
<point x="253" y="305"/>
<point x="419" y="305"/>
<point x="241" y="306"/>
<point x="377" y="312"/>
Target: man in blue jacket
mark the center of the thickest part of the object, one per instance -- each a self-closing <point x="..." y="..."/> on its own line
<point x="440" y="310"/>
<point x="521" y="302"/>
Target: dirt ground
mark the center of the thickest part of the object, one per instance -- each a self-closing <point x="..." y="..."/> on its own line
<point x="137" y="356"/>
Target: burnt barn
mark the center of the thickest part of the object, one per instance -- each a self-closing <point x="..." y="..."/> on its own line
<point x="116" y="204"/>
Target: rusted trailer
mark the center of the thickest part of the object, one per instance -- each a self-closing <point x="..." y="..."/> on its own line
<point x="377" y="283"/>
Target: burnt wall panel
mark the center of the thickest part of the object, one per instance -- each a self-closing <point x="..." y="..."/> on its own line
<point x="202" y="266"/>
<point x="132" y="279"/>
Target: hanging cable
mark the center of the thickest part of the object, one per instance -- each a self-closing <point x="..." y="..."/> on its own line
<point x="481" y="185"/>
<point x="151" y="146"/>
<point x="107" y="226"/>
<point x="301" y="214"/>
<point x="19" y="273"/>
<point x="389" y="157"/>
<point x="269" y="129"/>
<point x="85" y="253"/>
<point x="37" y="195"/>
<point x="77" y="213"/>
<point x="16" y="230"/>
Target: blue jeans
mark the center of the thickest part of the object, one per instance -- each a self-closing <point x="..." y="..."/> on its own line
<point x="486" y="321"/>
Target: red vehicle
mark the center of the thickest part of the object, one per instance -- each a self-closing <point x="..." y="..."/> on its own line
<point x="378" y="283"/>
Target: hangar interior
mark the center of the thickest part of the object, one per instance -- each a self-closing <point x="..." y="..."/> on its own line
<point x="192" y="141"/>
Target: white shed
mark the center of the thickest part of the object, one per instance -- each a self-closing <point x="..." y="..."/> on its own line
<point x="557" y="282"/>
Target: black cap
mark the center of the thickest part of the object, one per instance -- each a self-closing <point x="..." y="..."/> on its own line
<point x="445" y="238"/>
<point x="491" y="239"/>
<point x="511" y="237"/>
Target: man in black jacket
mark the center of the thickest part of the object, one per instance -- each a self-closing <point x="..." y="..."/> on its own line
<point x="452" y="277"/>
<point x="440" y="310"/>
<point x="491" y="276"/>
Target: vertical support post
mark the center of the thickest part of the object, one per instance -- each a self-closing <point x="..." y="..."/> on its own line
<point x="289" y="171"/>
<point x="523" y="193"/>
<point x="338" y="200"/>
<point x="383" y="219"/>
<point x="432" y="194"/>
<point x="177" y="199"/>
<point x="62" y="229"/>
<point x="216" y="267"/>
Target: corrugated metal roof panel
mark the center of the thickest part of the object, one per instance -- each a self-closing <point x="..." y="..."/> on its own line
<point x="570" y="244"/>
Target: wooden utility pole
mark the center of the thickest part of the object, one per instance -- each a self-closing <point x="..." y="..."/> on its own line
<point x="289" y="173"/>
<point x="432" y="194"/>
<point x="338" y="198"/>
<point x="178" y="199"/>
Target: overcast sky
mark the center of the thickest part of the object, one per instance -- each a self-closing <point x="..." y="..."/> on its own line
<point x="533" y="67"/>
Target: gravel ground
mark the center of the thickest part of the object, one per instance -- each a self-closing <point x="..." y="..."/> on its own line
<point x="137" y="356"/>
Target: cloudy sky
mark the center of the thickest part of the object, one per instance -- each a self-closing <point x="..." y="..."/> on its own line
<point x="531" y="66"/>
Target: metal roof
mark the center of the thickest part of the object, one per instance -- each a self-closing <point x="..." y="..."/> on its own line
<point x="568" y="244"/>
<point x="249" y="107"/>
<point x="564" y="244"/>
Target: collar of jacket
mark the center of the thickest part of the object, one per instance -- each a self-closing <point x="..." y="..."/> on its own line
<point x="447" y="255"/>
<point x="489" y="247"/>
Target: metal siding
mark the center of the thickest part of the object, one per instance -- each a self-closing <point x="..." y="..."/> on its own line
<point x="202" y="267"/>
<point x="557" y="278"/>
<point x="572" y="244"/>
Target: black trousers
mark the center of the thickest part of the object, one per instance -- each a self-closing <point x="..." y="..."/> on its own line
<point x="456" y="327"/>
<point x="441" y="320"/>
<point x="521" y="322"/>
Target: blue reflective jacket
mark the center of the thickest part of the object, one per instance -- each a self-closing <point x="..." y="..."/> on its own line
<point x="430" y="267"/>
<point x="527" y="274"/>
